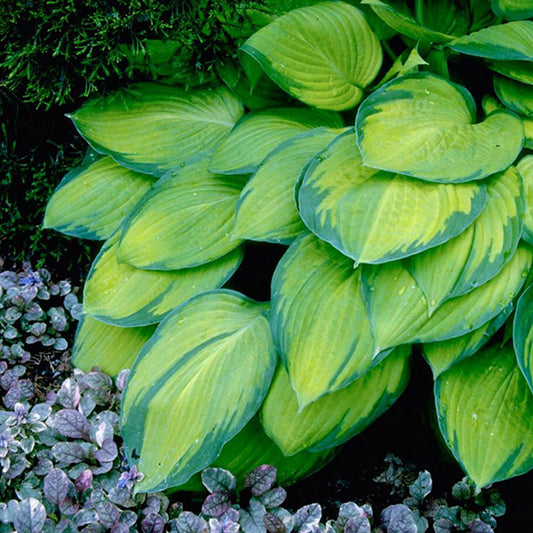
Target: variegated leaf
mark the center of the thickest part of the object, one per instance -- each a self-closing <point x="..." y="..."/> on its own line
<point x="513" y="9"/>
<point x="184" y="221"/>
<point x="258" y="133"/>
<point x="444" y="354"/>
<point x="525" y="167"/>
<point x="423" y="126"/>
<point x="516" y="70"/>
<point x="515" y="95"/>
<point x="110" y="348"/>
<point x="397" y="307"/>
<point x="485" y="411"/>
<point x="335" y="417"/>
<point x="266" y="210"/>
<point x="92" y="200"/>
<point x="478" y="253"/>
<point x="373" y="216"/>
<point x="323" y="54"/>
<point x="523" y="335"/>
<point x="152" y="128"/>
<point x="195" y="385"/>
<point x="319" y="320"/>
<point x="123" y="295"/>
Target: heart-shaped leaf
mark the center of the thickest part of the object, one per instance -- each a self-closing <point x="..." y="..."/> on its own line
<point x="195" y="384"/>
<point x="362" y="211"/>
<point x="485" y="411"/>
<point x="478" y="253"/>
<point x="92" y="200"/>
<point x="444" y="354"/>
<point x="257" y="134"/>
<point x="525" y="167"/>
<point x="319" y="320"/>
<point x="152" y="128"/>
<point x="55" y="486"/>
<point x="184" y="221"/>
<point x="523" y="335"/>
<point x="511" y="41"/>
<point x="266" y="210"/>
<point x="422" y="125"/>
<point x="111" y="348"/>
<point x="323" y="54"/>
<point x="397" y="307"/>
<point x="335" y="417"/>
<point x="123" y="295"/>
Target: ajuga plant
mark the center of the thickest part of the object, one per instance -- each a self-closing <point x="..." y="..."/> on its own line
<point x="403" y="191"/>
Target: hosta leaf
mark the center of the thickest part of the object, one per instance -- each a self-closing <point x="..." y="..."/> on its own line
<point x="362" y="211"/>
<point x="444" y="354"/>
<point x="397" y="307"/>
<point x="266" y="210"/>
<point x="516" y="70"/>
<point x="184" y="221"/>
<point x="515" y="95"/>
<point x="478" y="253"/>
<point x="318" y="319"/>
<point x="485" y="411"/>
<point x="523" y="335"/>
<point x="111" y="348"/>
<point x="323" y="55"/>
<point x="120" y="294"/>
<point x="422" y="125"/>
<point x="251" y="448"/>
<point x="406" y="63"/>
<point x="152" y="128"/>
<point x="92" y="200"/>
<point x="525" y="167"/>
<point x="511" y="41"/>
<point x="257" y="134"/>
<point x="195" y="385"/>
<point x="513" y="9"/>
<point x="335" y="417"/>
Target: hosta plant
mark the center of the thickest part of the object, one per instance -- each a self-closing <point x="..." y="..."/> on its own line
<point x="355" y="136"/>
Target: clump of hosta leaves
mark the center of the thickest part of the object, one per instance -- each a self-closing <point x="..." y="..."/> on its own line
<point x="36" y="319"/>
<point x="356" y="137"/>
<point x="62" y="464"/>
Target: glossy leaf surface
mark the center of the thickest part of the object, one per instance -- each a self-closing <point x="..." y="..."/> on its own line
<point x="323" y="54"/>
<point x="195" y="385"/>
<point x="511" y="41"/>
<point x="444" y="354"/>
<point x="184" y="221"/>
<point x="422" y="125"/>
<point x="515" y="95"/>
<point x="335" y="417"/>
<point x="478" y="253"/>
<point x="258" y="133"/>
<point x="525" y="167"/>
<point x="111" y="348"/>
<point x="374" y="216"/>
<point x="120" y="294"/>
<point x="92" y="200"/>
<point x="516" y="70"/>
<point x="319" y="320"/>
<point x="398" y="309"/>
<point x="523" y="335"/>
<point x="485" y="411"/>
<point x="266" y="210"/>
<point x="513" y="9"/>
<point x="152" y="128"/>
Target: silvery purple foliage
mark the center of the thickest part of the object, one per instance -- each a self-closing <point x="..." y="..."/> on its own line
<point x="260" y="479"/>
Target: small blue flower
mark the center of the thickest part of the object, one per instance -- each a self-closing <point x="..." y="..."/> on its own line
<point x="129" y="478"/>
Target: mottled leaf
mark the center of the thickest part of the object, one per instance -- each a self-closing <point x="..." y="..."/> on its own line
<point x="152" y="128"/>
<point x="92" y="200"/>
<point x="188" y="522"/>
<point x="218" y="480"/>
<point x="184" y="221"/>
<point x="122" y="295"/>
<point x="251" y="520"/>
<point x="71" y="423"/>
<point x="323" y="55"/>
<point x="260" y="479"/>
<point x="55" y="486"/>
<point x="424" y="126"/>
<point x="307" y="517"/>
<point x="29" y="516"/>
<point x="216" y="504"/>
<point x="525" y="167"/>
<point x="179" y="406"/>
<point x="362" y="211"/>
<point x="485" y="411"/>
<point x="111" y="348"/>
